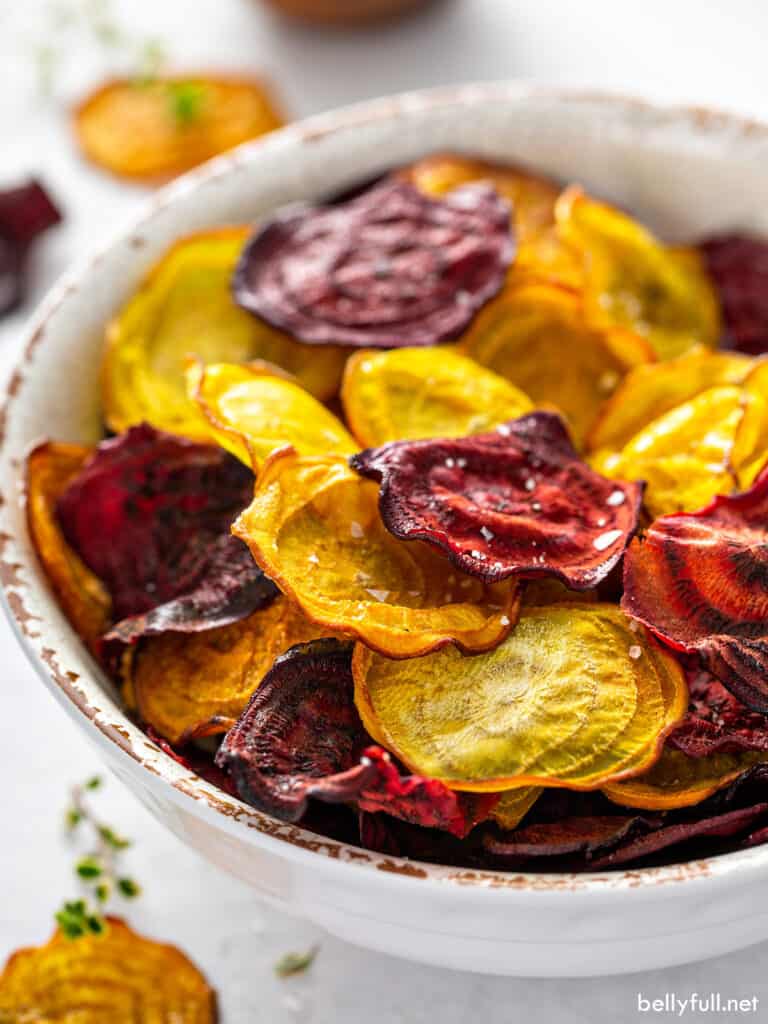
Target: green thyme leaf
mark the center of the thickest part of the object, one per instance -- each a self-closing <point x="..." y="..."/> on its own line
<point x="75" y="919"/>
<point x="96" y="924"/>
<point x="93" y="783"/>
<point x="89" y="867"/>
<point x="186" y="101"/>
<point x="295" y="963"/>
<point x="111" y="838"/>
<point x="128" y="888"/>
<point x="102" y="892"/>
<point x="72" y="817"/>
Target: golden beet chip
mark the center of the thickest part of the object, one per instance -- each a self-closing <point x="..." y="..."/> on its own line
<point x="750" y="444"/>
<point x="537" y="338"/>
<point x="118" y="976"/>
<point x="677" y="780"/>
<point x="684" y="456"/>
<point x="314" y="528"/>
<point x="187" y="686"/>
<point x="647" y="392"/>
<point x="634" y="281"/>
<point x="514" y="805"/>
<point x="409" y="393"/>
<point x="159" y="128"/>
<point x="573" y="698"/>
<point x="184" y="308"/>
<point x="252" y="410"/>
<point x="83" y="597"/>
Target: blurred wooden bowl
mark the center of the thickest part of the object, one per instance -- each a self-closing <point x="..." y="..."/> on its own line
<point x="344" y="12"/>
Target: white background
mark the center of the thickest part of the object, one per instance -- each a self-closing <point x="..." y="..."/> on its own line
<point x="703" y="52"/>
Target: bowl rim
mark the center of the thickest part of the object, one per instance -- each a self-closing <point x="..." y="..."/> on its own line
<point x="157" y="767"/>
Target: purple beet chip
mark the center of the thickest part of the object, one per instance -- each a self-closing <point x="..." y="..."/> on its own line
<point x="25" y="212"/>
<point x="150" y="515"/>
<point x="389" y="267"/>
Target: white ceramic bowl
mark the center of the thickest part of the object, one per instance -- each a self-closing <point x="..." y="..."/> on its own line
<point x="685" y="172"/>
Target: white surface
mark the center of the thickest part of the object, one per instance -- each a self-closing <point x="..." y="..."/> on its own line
<point x="675" y="51"/>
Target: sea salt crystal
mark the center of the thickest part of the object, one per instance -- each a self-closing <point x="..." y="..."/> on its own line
<point x="606" y="539"/>
<point x="356" y="530"/>
<point x="616" y="498"/>
<point x="486" y="533"/>
<point x="379" y="595"/>
<point x="478" y="555"/>
<point x="635" y="651"/>
<point x="504" y="430"/>
<point x="530" y="484"/>
<point x="313" y="559"/>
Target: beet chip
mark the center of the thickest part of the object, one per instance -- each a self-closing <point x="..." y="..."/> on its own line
<point x="739" y="269"/>
<point x="698" y="580"/>
<point x="421" y="801"/>
<point x="230" y="588"/>
<point x="300" y="735"/>
<point x="515" y="501"/>
<point x="150" y="514"/>
<point x="25" y="212"/>
<point x="720" y="825"/>
<point x="717" y="723"/>
<point x="389" y="267"/>
<point x="585" y="836"/>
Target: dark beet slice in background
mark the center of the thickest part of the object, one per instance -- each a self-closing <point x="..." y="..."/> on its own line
<point x="738" y="266"/>
<point x="719" y="826"/>
<point x="716" y="722"/>
<point x="517" y="501"/>
<point x="587" y="836"/>
<point x="389" y="267"/>
<point x="25" y="212"/>
<point x="150" y="514"/>
<point x="699" y="581"/>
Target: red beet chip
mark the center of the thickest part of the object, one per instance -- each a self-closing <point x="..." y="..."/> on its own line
<point x="516" y="501"/>
<point x="421" y="801"/>
<point x="150" y="515"/>
<point x="397" y="838"/>
<point x="716" y="722"/>
<point x="300" y="735"/>
<point x="25" y="212"/>
<point x="586" y="836"/>
<point x="231" y="587"/>
<point x="730" y="823"/>
<point x="699" y="581"/>
<point x="387" y="268"/>
<point x="739" y="268"/>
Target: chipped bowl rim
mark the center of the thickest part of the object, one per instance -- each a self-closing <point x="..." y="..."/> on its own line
<point x="143" y="757"/>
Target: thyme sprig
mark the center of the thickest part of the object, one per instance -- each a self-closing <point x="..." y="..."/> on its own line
<point x="98" y="871"/>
